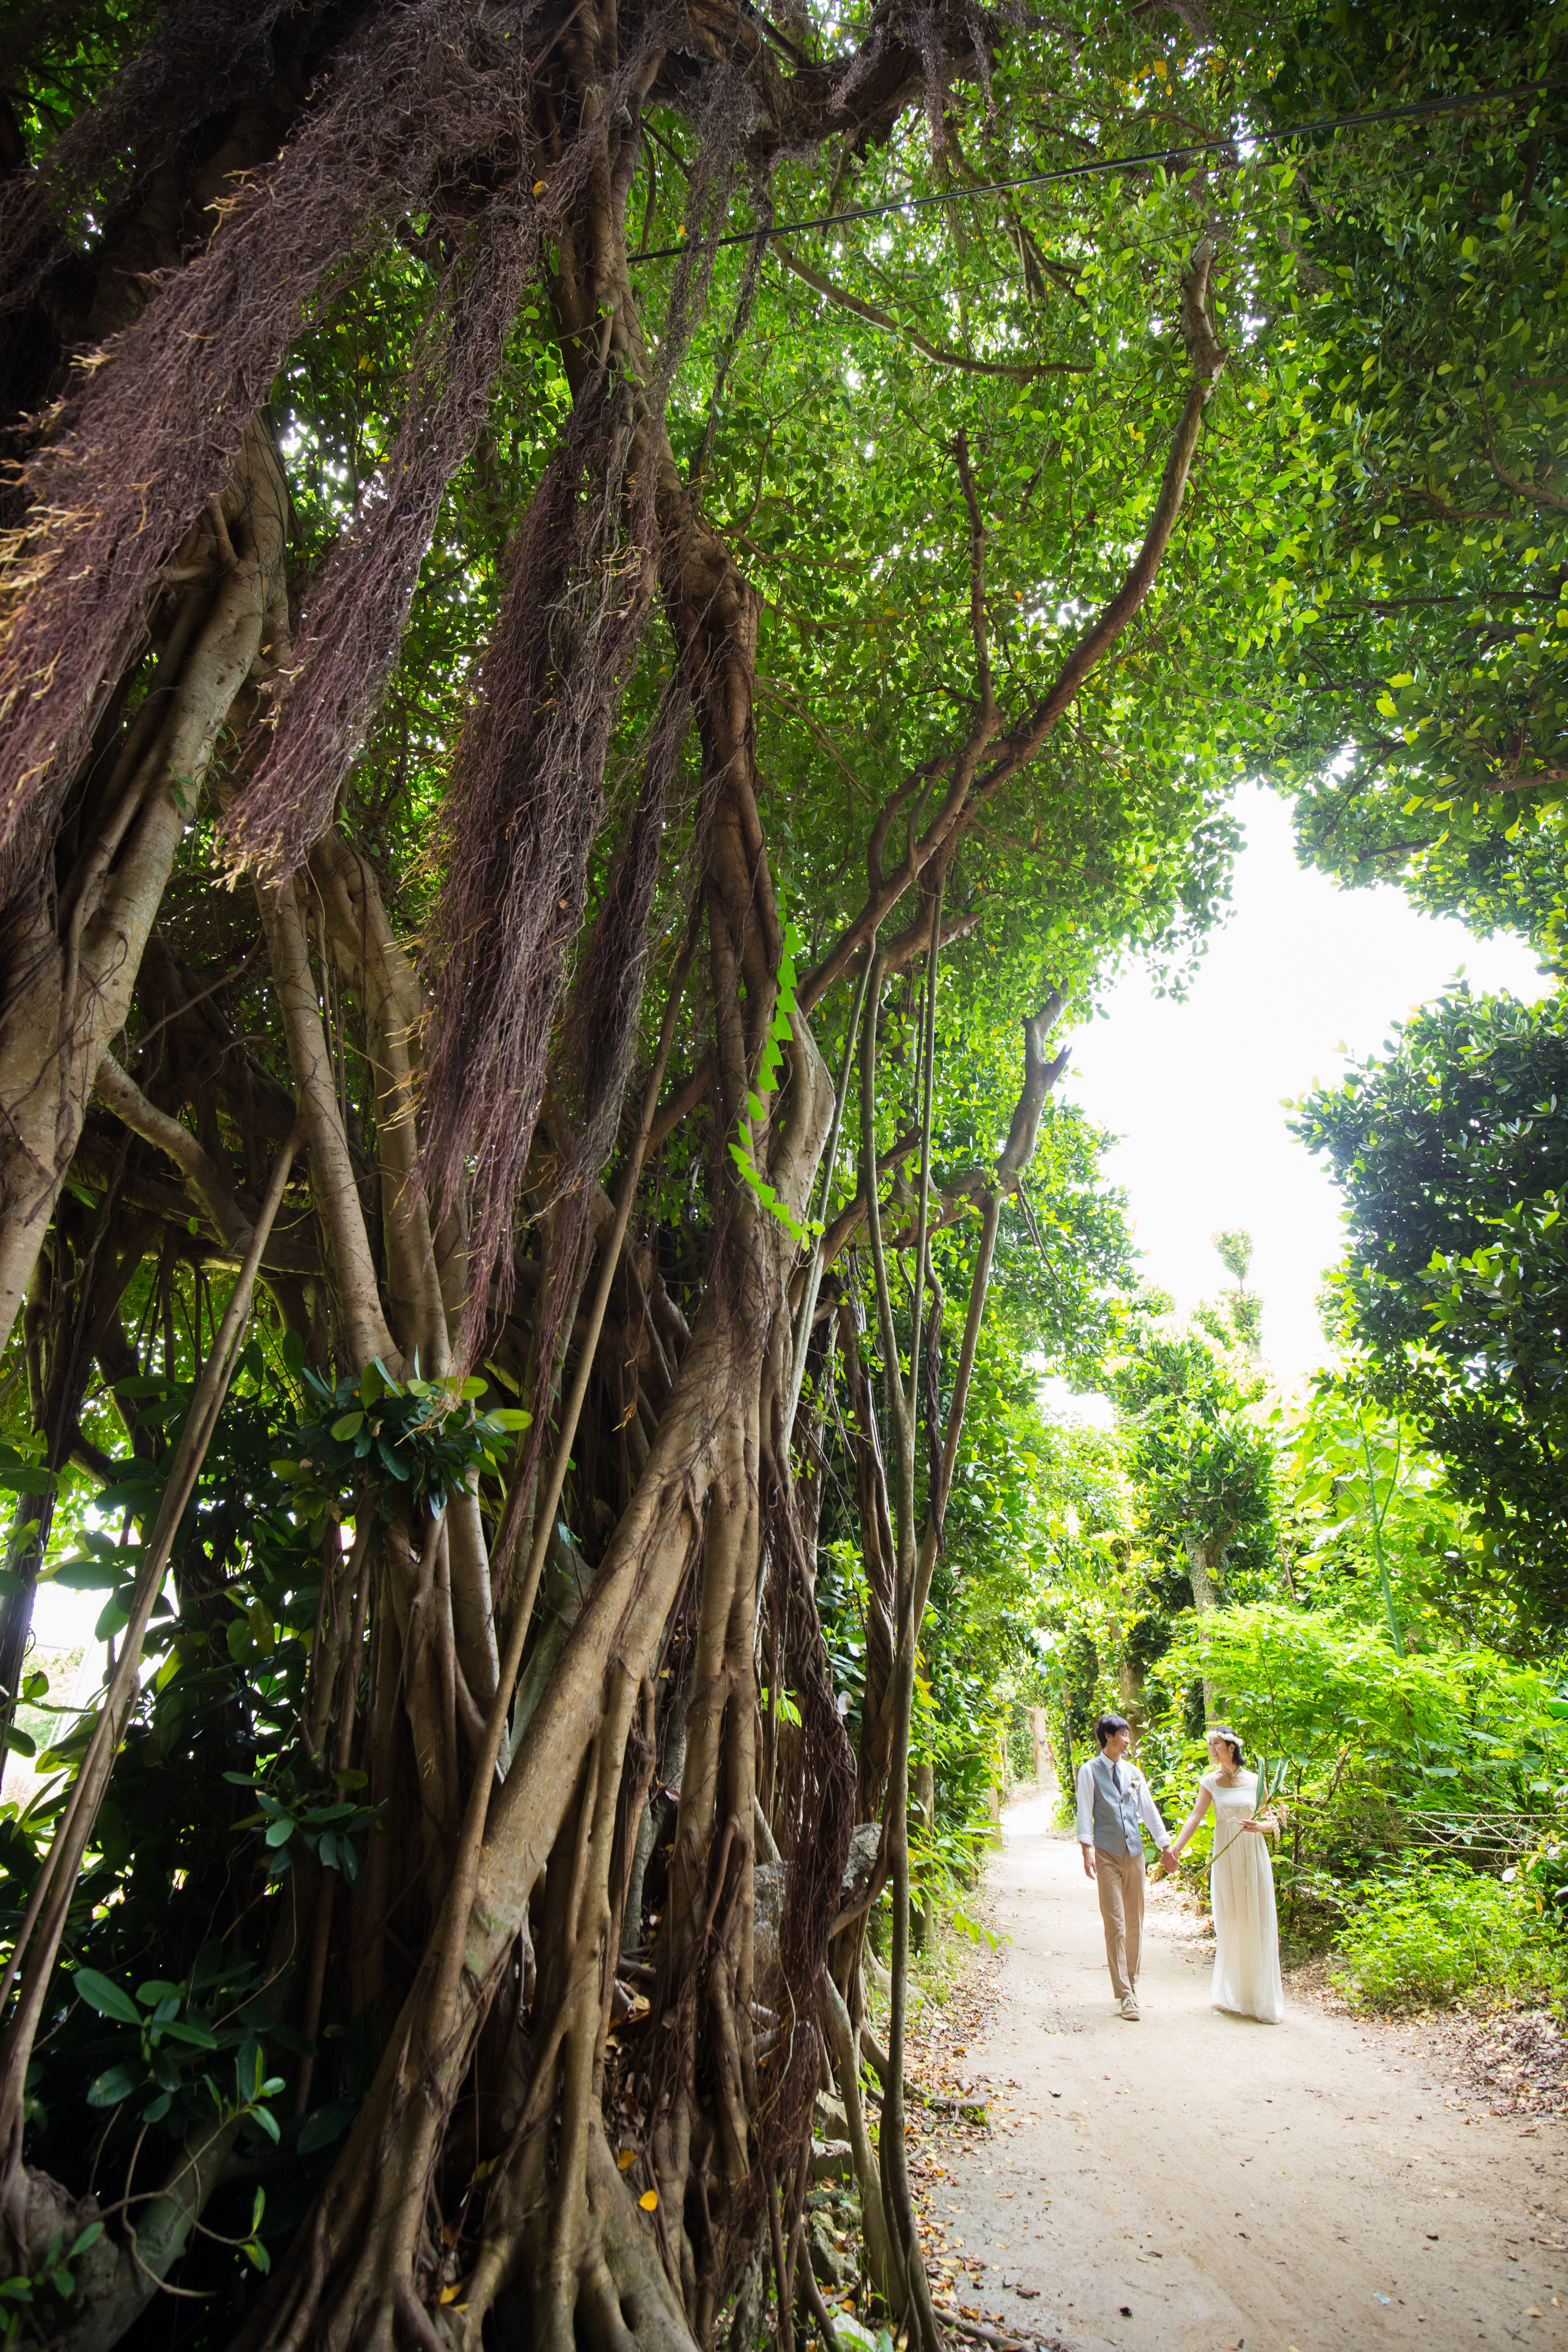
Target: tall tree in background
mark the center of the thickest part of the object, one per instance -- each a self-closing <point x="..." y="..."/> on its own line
<point x="1449" y="1151"/>
<point x="1244" y="1307"/>
<point x="1201" y="1466"/>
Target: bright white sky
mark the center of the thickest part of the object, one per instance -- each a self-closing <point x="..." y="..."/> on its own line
<point x="1301" y="972"/>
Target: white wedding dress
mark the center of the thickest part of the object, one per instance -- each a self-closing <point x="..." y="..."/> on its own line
<point x="1241" y="1890"/>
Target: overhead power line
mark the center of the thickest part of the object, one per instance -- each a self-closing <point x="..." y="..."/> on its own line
<point x="1100" y="166"/>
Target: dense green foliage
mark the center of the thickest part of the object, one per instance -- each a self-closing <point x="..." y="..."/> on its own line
<point x="1434" y="1933"/>
<point x="1425" y="584"/>
<point x="1450" y="1151"/>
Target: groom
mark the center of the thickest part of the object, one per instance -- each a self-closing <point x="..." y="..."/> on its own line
<point x="1114" y="1809"/>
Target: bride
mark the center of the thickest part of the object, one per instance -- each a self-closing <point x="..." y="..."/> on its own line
<point x="1241" y="1885"/>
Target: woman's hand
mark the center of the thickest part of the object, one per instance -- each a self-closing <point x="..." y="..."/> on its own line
<point x="1264" y="1828"/>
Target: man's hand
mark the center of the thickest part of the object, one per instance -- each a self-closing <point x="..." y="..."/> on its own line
<point x="1088" y="1861"/>
<point x="1169" y="1866"/>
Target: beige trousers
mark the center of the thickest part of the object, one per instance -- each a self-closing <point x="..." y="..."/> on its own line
<point x="1119" y="1877"/>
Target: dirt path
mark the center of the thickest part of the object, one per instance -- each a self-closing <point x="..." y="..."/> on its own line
<point x="1195" y="2182"/>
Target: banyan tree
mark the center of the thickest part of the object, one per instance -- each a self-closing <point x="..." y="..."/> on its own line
<point x="533" y="739"/>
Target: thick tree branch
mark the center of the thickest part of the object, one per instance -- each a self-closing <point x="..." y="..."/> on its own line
<point x="364" y="1331"/>
<point x="115" y="1087"/>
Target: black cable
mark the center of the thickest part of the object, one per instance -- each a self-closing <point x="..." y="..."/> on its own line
<point x="1173" y="155"/>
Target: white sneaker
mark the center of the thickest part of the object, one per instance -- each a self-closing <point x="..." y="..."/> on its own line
<point x="1129" y="2008"/>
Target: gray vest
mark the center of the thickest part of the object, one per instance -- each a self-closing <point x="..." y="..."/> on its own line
<point x="1116" y="1825"/>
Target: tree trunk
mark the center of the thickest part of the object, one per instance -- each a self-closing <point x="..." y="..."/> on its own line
<point x="72" y="957"/>
<point x="1203" y="1556"/>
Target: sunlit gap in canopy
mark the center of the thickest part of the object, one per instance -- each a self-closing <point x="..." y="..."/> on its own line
<point x="1300" y="977"/>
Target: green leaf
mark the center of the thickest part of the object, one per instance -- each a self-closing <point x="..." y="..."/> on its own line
<point x="22" y="1479"/>
<point x="84" y="1574"/>
<point x="326" y="2124"/>
<point x="350" y="1425"/>
<point x="109" y="1999"/>
<point x="116" y="1614"/>
<point x="107" y="2089"/>
<point x="139" y="1496"/>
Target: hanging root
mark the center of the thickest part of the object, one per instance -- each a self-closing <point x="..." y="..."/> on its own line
<point x="197" y="61"/>
<point x="526" y="801"/>
<point x="150" y="433"/>
<point x="357" y="614"/>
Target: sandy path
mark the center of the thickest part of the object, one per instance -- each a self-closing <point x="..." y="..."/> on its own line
<point x="1196" y="2182"/>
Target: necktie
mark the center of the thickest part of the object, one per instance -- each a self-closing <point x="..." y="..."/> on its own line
<point x="1116" y="1775"/>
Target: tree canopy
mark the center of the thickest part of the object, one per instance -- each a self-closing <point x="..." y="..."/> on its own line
<point x="602" y="641"/>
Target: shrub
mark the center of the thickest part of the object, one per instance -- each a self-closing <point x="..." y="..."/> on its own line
<point x="1438" y="1931"/>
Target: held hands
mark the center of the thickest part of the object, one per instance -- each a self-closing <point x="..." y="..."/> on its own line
<point x="1170" y="1863"/>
